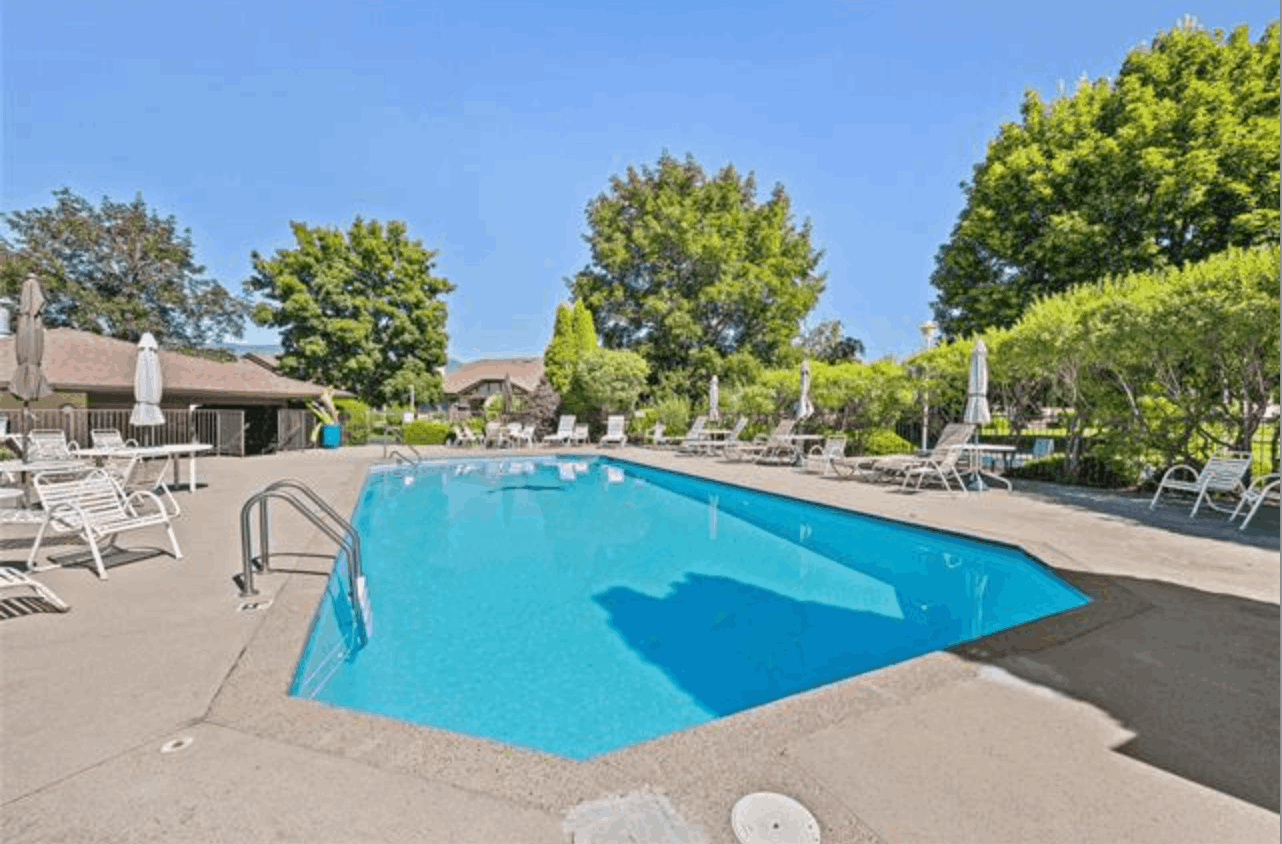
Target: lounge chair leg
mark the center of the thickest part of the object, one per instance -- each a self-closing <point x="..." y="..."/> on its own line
<point x="1197" y="503"/>
<point x="31" y="558"/>
<point x="173" y="540"/>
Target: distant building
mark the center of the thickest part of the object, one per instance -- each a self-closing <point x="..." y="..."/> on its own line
<point x="467" y="387"/>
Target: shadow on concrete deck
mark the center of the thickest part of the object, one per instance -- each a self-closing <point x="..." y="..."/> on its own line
<point x="1193" y="674"/>
<point x="1171" y="513"/>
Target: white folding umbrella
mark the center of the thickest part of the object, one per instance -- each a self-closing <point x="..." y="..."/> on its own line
<point x="147" y="384"/>
<point x="714" y="413"/>
<point x="977" y="387"/>
<point x="804" y="408"/>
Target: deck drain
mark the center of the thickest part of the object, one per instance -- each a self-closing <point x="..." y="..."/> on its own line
<point x="250" y="606"/>
<point x="176" y="745"/>
<point x="768" y="818"/>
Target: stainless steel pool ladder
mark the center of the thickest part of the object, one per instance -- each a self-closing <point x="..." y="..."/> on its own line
<point x="336" y="528"/>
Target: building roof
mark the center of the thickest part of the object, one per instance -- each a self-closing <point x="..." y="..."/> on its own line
<point x="269" y="362"/>
<point x="84" y="362"/>
<point x="526" y="374"/>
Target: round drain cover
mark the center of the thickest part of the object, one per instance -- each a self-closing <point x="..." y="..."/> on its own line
<point x="767" y="818"/>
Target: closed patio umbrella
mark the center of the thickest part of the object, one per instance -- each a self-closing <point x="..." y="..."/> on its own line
<point x="507" y="393"/>
<point x="804" y="407"/>
<point x="977" y="387"/>
<point x="714" y="413"/>
<point x="147" y="385"/>
<point x="29" y="383"/>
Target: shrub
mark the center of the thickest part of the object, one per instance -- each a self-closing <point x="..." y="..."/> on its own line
<point x="884" y="441"/>
<point x="1093" y="470"/>
<point x="673" y="412"/>
<point x="355" y="419"/>
<point x="423" y="432"/>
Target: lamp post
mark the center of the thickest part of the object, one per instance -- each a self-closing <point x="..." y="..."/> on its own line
<point x="927" y="330"/>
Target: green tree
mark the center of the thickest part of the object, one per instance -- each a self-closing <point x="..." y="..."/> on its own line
<point x="607" y="380"/>
<point x="118" y="270"/>
<point x="584" y="329"/>
<point x="1176" y="160"/>
<point x="687" y="270"/>
<point x="560" y="355"/>
<point x="361" y="311"/>
<point x="827" y="342"/>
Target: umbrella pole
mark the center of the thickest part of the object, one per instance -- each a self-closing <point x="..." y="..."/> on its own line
<point x="26" y="434"/>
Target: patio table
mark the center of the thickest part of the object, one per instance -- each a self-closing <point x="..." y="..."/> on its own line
<point x="175" y="450"/>
<point x="798" y="442"/>
<point x="976" y="451"/>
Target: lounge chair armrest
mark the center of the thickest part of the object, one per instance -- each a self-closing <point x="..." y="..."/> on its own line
<point x="1175" y="469"/>
<point x="144" y="495"/>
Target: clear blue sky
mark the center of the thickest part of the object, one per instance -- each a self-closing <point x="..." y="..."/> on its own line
<point x="489" y="127"/>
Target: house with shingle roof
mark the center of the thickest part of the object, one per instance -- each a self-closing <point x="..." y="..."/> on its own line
<point x="467" y="387"/>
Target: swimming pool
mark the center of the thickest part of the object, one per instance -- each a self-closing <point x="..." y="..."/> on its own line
<point x="577" y="605"/>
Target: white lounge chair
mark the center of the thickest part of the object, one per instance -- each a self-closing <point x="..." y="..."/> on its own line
<point x="942" y="470"/>
<point x="1261" y="490"/>
<point x="1222" y="475"/>
<point x="820" y="457"/>
<point x="884" y="466"/>
<point x="564" y="432"/>
<point x="694" y="439"/>
<point x="97" y="509"/>
<point x="777" y="445"/>
<point x="14" y="579"/>
<point x="614" y="434"/>
<point x="110" y="438"/>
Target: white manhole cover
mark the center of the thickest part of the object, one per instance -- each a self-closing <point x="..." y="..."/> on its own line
<point x="767" y="818"/>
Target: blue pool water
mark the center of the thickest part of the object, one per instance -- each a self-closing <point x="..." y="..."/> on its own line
<point x="579" y="610"/>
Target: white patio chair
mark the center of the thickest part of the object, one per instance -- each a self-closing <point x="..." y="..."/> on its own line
<point x="493" y="434"/>
<point x="942" y="470"/>
<point x="655" y="436"/>
<point x="614" y="434"/>
<point x="110" y="438"/>
<point x="564" y="432"/>
<point x="14" y="579"/>
<point x="1263" y="489"/>
<point x="97" y="509"/>
<point x="1222" y="475"/>
<point x="526" y="436"/>
<point x="820" y="457"/>
<point x="49" y="444"/>
<point x="581" y="435"/>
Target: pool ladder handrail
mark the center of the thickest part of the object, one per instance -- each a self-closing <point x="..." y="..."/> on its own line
<point x="341" y="531"/>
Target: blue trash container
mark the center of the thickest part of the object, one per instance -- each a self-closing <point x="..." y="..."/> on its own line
<point x="331" y="436"/>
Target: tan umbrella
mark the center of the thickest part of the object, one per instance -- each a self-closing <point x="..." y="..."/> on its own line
<point x="147" y="385"/>
<point x="977" y="412"/>
<point x="714" y="397"/>
<point x="804" y="407"/>
<point x="28" y="382"/>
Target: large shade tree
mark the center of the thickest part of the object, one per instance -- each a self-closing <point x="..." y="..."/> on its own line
<point x="688" y="270"/>
<point x="1173" y="161"/>
<point x="118" y="270"/>
<point x="359" y="310"/>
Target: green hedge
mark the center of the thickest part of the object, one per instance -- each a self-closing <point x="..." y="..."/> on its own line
<point x="885" y="441"/>
<point x="424" y="432"/>
<point x="356" y="420"/>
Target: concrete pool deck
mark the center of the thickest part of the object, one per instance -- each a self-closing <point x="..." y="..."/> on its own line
<point x="1149" y="716"/>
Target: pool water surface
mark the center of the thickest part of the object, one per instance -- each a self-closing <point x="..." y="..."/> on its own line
<point x="577" y="606"/>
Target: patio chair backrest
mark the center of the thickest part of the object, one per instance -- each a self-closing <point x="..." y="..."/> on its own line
<point x="739" y="425"/>
<point x="49" y="444"/>
<point x="657" y="433"/>
<point x="834" y="447"/>
<point x="106" y="438"/>
<point x="954" y="434"/>
<point x="581" y="431"/>
<point x="492" y="429"/>
<point x="565" y="427"/>
<point x="783" y="429"/>
<point x="696" y="427"/>
<point x="1043" y="447"/>
<point x="614" y="426"/>
<point x="96" y="494"/>
<point x="1223" y="472"/>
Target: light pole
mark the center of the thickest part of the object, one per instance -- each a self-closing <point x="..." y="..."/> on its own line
<point x="927" y="329"/>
